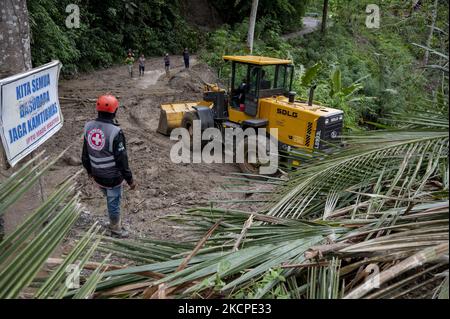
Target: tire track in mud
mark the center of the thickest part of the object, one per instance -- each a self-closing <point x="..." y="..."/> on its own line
<point x="163" y="187"/>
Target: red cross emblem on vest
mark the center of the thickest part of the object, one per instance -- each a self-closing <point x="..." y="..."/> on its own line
<point x="96" y="139"/>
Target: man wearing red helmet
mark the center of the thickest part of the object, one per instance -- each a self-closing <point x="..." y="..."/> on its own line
<point x="105" y="158"/>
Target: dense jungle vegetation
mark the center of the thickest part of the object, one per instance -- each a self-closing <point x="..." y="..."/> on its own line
<point x="376" y="71"/>
<point x="152" y="27"/>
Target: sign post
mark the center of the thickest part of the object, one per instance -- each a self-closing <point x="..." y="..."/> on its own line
<point x="30" y="112"/>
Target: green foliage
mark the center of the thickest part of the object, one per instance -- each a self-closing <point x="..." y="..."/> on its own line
<point x="310" y="74"/>
<point x="377" y="205"/>
<point x="50" y="39"/>
<point x="107" y="30"/>
<point x="232" y="41"/>
<point x="153" y="27"/>
<point x="288" y="13"/>
<point x="365" y="72"/>
<point x="26" y="249"/>
<point x="215" y="282"/>
<point x="256" y="287"/>
<point x="323" y="282"/>
<point x="384" y="62"/>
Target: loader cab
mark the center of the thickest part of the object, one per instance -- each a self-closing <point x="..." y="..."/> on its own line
<point x="253" y="78"/>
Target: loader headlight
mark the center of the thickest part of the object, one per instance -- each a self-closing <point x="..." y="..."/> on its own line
<point x="327" y="121"/>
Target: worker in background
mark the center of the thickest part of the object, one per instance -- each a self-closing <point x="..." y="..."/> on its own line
<point x="106" y="161"/>
<point x="167" y="64"/>
<point x="239" y="95"/>
<point x="264" y="84"/>
<point x="242" y="91"/>
<point x="129" y="61"/>
<point x="186" y="58"/>
<point x="141" y="65"/>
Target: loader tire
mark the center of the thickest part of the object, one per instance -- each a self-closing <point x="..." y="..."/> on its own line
<point x="247" y="167"/>
<point x="188" y="121"/>
<point x="188" y="124"/>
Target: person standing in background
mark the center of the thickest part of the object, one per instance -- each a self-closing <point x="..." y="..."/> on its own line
<point x="186" y="58"/>
<point x="141" y="65"/>
<point x="167" y="64"/>
<point x="129" y="61"/>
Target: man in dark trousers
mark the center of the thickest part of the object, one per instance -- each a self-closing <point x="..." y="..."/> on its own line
<point x="105" y="159"/>
<point x="186" y="58"/>
<point x="167" y="64"/>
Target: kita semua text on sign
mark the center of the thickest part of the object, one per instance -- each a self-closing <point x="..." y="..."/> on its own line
<point x="30" y="112"/>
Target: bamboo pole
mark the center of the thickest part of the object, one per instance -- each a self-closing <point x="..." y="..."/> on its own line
<point x="248" y="223"/>
<point x="422" y="257"/>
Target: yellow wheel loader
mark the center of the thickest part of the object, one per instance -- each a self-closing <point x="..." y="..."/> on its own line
<point x="260" y="96"/>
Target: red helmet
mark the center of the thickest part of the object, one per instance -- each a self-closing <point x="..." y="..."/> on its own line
<point x="107" y="103"/>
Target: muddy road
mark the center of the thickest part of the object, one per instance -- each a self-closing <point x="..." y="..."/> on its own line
<point x="163" y="187"/>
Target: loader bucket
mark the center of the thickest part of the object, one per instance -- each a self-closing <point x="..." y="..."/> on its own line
<point x="172" y="115"/>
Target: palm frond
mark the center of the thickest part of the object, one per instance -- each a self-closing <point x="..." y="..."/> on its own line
<point x="378" y="205"/>
<point x="25" y="250"/>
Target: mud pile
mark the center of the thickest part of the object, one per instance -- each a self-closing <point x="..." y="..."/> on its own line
<point x="163" y="187"/>
<point x="194" y="79"/>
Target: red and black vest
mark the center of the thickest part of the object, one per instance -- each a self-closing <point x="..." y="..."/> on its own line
<point x="100" y="139"/>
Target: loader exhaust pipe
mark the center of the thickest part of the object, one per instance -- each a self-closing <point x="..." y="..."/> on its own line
<point x="291" y="96"/>
<point x="311" y="95"/>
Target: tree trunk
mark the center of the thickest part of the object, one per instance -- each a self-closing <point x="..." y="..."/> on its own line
<point x="324" y="16"/>
<point x="15" y="57"/>
<point x="251" y="27"/>
<point x="430" y="36"/>
<point x="15" y="52"/>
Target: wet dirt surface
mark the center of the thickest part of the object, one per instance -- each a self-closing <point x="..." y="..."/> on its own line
<point x="164" y="188"/>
